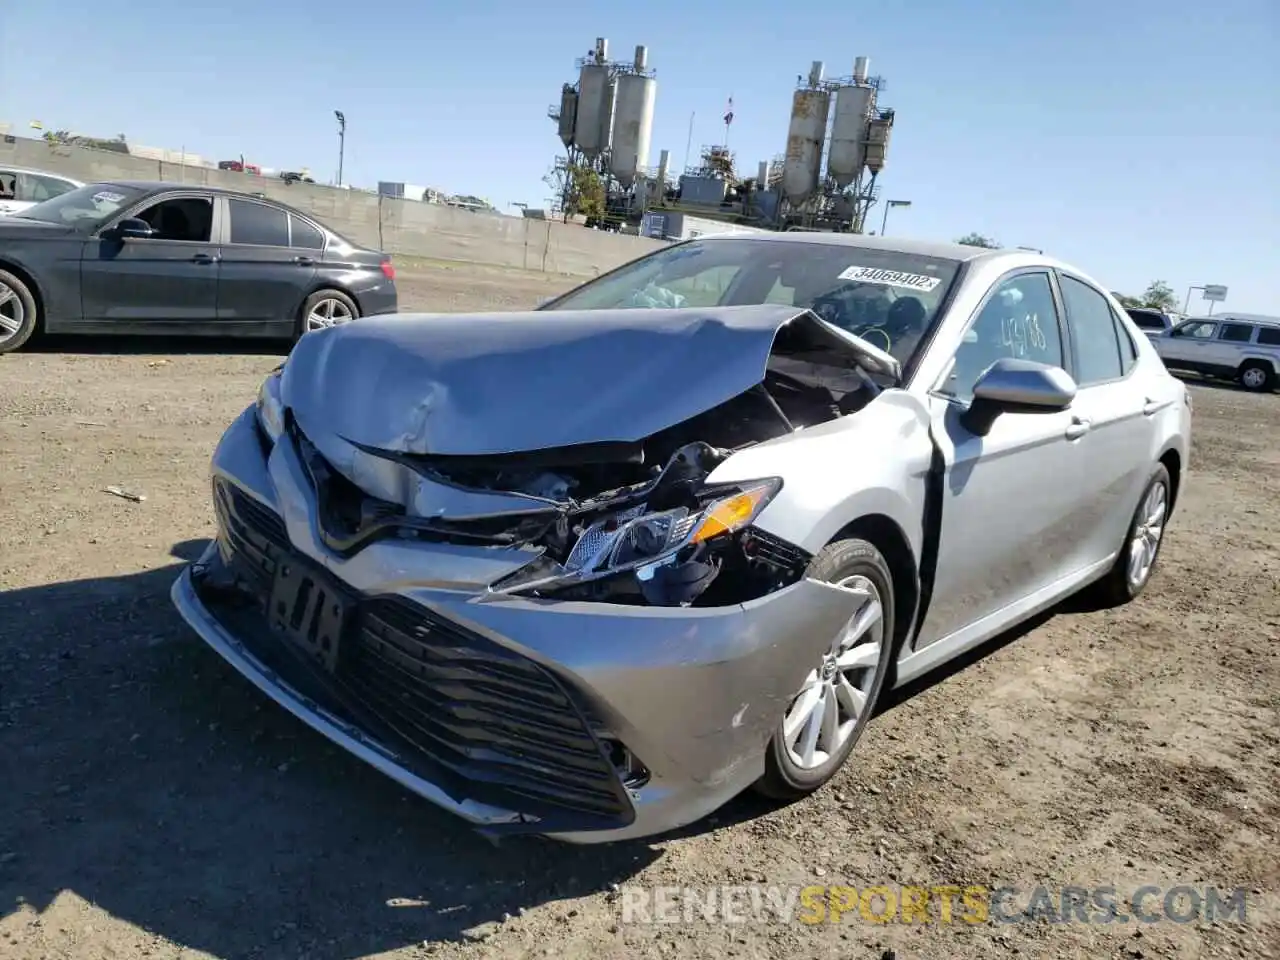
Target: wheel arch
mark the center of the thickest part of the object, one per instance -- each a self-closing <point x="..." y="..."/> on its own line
<point x="891" y="540"/>
<point x="1171" y="459"/>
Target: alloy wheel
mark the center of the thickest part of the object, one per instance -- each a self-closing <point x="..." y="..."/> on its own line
<point x="1148" y="529"/>
<point x="836" y="693"/>
<point x="327" y="313"/>
<point x="1254" y="378"/>
<point x="12" y="313"/>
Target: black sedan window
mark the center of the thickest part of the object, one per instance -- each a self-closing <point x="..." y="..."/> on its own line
<point x="87" y="205"/>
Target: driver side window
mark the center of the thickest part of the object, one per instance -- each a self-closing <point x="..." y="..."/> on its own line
<point x="1019" y="320"/>
<point x="188" y="219"/>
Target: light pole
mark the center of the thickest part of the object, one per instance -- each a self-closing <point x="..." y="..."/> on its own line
<point x="889" y="205"/>
<point x="342" y="140"/>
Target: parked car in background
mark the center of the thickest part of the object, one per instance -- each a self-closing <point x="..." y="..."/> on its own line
<point x="589" y="571"/>
<point x="134" y="257"/>
<point x="1247" y="351"/>
<point x="1152" y="322"/>
<point x="21" y="188"/>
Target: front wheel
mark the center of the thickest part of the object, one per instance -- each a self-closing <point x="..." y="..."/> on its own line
<point x="326" y="308"/>
<point x="826" y="717"/>
<point x="18" y="317"/>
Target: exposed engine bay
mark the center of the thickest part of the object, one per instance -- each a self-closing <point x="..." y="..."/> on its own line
<point x="630" y="522"/>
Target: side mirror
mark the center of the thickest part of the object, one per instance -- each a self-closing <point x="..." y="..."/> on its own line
<point x="132" y="228"/>
<point x="1017" y="386"/>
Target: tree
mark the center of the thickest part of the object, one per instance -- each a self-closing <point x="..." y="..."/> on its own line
<point x="1160" y="296"/>
<point x="978" y="240"/>
<point x="579" y="188"/>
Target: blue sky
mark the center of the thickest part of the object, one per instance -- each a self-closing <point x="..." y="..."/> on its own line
<point x="1139" y="139"/>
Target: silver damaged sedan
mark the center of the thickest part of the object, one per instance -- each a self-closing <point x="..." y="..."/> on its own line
<point x="592" y="570"/>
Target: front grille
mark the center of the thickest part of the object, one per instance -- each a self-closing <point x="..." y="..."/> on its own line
<point x="506" y="730"/>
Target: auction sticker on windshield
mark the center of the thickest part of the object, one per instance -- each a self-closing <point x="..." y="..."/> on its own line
<point x="890" y="278"/>
<point x="106" y="197"/>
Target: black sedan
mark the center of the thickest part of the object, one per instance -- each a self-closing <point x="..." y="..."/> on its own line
<point x="166" y="258"/>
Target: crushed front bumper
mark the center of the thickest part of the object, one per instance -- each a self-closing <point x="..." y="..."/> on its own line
<point x="588" y="722"/>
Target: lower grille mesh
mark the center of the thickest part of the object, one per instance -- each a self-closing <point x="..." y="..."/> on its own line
<point x="489" y="715"/>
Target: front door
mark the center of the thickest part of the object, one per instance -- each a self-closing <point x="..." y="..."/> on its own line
<point x="264" y="279"/>
<point x="166" y="281"/>
<point x="1186" y="346"/>
<point x="1011" y="499"/>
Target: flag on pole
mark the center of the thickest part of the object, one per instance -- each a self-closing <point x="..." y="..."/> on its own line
<point x="37" y="125"/>
<point x="728" y="115"/>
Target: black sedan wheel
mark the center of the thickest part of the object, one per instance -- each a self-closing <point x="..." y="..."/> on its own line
<point x="17" y="312"/>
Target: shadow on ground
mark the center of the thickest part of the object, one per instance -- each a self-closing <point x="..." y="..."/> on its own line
<point x="145" y="776"/>
<point x="156" y="346"/>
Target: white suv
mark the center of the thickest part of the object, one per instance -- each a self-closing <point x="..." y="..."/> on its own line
<point x="21" y="188"/>
<point x="1247" y="351"/>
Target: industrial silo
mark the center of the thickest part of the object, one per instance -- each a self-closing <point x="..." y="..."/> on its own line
<point x="568" y="114"/>
<point x="594" y="97"/>
<point x="805" y="137"/>
<point x="849" y="127"/>
<point x="632" y="121"/>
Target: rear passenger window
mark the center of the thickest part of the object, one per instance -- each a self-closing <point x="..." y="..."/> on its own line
<point x="1269" y="336"/>
<point x="1097" y="346"/>
<point x="303" y="234"/>
<point x="258" y="224"/>
<point x="1128" y="349"/>
<point x="1236" y="332"/>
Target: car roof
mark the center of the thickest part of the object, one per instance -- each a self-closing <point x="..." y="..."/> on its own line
<point x="1228" y="318"/>
<point x="926" y="248"/>
<point x="10" y="168"/>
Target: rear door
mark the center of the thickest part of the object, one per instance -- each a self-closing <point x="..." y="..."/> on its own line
<point x="264" y="276"/>
<point x="1116" y="411"/>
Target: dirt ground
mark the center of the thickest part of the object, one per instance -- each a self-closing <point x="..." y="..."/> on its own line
<point x="153" y="804"/>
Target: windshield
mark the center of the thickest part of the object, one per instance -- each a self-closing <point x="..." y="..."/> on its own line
<point x="84" y="206"/>
<point x="888" y="298"/>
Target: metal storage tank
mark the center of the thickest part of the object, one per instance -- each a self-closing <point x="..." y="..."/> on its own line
<point x="593" y="89"/>
<point x="632" y="125"/>
<point x="878" y="141"/>
<point x="849" y="131"/>
<point x="805" y="136"/>
<point x="568" y="113"/>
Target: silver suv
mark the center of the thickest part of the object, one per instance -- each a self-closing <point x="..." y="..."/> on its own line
<point x="1244" y="350"/>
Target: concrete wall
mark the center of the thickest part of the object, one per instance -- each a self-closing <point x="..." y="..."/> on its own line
<point x="398" y="226"/>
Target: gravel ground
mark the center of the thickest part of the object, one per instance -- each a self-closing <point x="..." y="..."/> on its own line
<point x="152" y="804"/>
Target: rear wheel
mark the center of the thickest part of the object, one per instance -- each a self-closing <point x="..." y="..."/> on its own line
<point x="1131" y="572"/>
<point x="18" y="317"/>
<point x="1258" y="376"/>
<point x="827" y="715"/>
<point x="326" y="308"/>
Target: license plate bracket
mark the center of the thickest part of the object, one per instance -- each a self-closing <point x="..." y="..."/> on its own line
<point x="310" y="611"/>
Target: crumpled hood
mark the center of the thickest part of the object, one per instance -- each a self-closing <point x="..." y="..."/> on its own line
<point x="490" y="384"/>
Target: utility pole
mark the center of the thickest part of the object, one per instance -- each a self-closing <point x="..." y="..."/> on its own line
<point x="342" y="138"/>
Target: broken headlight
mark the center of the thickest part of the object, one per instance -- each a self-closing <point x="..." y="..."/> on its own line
<point x="270" y="409"/>
<point x="643" y="542"/>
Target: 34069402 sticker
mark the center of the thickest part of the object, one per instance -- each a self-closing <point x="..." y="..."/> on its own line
<point x="891" y="278"/>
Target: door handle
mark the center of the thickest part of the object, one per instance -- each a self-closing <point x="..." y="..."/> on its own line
<point x="1150" y="406"/>
<point x="203" y="258"/>
<point x="1078" y="427"/>
<point x="304" y="261"/>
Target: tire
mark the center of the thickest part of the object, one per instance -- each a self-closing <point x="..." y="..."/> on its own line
<point x="18" y="316"/>
<point x="1257" y="376"/>
<point x="855" y="563"/>
<point x="1118" y="587"/>
<point x="338" y="304"/>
